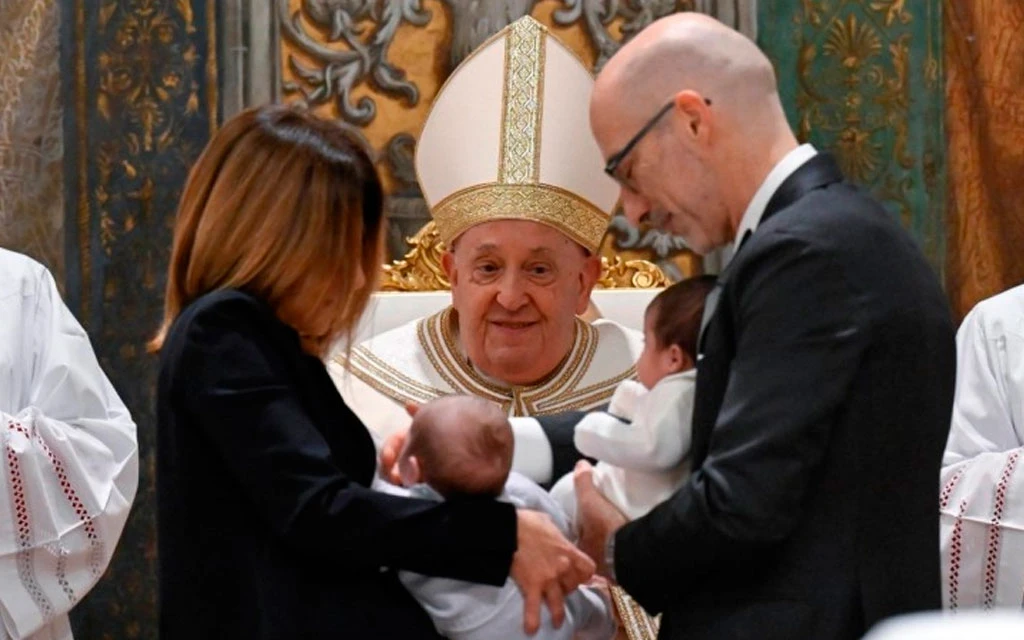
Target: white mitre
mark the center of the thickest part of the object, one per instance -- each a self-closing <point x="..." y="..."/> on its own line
<point x="508" y="137"/>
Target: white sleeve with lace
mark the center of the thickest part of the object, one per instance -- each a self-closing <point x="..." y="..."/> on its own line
<point x="69" y="467"/>
<point x="981" y="502"/>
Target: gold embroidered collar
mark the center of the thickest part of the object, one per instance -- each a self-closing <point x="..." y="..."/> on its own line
<point x="437" y="339"/>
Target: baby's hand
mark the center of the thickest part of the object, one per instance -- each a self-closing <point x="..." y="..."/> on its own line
<point x="626" y="398"/>
<point x="613" y="624"/>
<point x="601" y="585"/>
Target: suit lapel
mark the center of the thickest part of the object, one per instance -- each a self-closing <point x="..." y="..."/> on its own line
<point x="818" y="172"/>
<point x="717" y="341"/>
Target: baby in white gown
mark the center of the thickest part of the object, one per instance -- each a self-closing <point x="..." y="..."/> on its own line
<point x="642" y="440"/>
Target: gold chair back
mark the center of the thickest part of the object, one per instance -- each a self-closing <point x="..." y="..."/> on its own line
<point x="420" y="268"/>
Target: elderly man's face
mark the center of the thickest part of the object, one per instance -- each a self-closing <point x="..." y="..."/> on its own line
<point x="517" y="287"/>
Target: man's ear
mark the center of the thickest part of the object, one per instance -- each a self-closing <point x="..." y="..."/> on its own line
<point x="448" y="265"/>
<point x="409" y="470"/>
<point x="696" y="111"/>
<point x="589" y="274"/>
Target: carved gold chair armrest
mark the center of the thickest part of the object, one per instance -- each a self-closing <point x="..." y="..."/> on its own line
<point x="420" y="268"/>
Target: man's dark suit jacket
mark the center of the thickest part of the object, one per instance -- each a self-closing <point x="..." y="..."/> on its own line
<point x="824" y="393"/>
<point x="267" y="527"/>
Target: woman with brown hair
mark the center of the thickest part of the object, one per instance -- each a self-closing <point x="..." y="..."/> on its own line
<point x="267" y="525"/>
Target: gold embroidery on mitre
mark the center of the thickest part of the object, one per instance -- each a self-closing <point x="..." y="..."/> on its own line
<point x="574" y="216"/>
<point x="522" y="103"/>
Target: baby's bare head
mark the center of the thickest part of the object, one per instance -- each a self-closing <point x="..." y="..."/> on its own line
<point x="459" y="445"/>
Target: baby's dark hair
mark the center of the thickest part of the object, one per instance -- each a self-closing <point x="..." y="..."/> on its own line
<point x="464" y="446"/>
<point x="677" y="313"/>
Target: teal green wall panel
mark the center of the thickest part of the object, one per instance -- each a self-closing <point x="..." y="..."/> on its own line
<point x="863" y="79"/>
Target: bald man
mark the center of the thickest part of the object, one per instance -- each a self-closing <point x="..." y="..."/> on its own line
<point x="826" y="369"/>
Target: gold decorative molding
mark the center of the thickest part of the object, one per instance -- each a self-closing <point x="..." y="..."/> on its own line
<point x="420" y="268"/>
<point x="617" y="273"/>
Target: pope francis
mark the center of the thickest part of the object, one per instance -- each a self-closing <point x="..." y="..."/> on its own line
<point x="516" y="188"/>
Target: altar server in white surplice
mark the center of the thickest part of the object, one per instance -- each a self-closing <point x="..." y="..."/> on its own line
<point x="982" y="487"/>
<point x="69" y="467"/>
<point x="517" y="190"/>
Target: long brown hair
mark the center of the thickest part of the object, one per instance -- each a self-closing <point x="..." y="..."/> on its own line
<point x="287" y="207"/>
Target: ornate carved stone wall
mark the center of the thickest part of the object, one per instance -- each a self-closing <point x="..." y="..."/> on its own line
<point x="985" y="123"/>
<point x="863" y="78"/>
<point x="140" y="85"/>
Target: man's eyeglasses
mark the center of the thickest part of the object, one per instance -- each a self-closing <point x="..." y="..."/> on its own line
<point x="616" y="159"/>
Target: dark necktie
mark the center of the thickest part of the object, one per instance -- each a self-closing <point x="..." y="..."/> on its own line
<point x="711" y="303"/>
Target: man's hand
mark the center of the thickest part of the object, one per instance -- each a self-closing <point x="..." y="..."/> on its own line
<point x="391" y="449"/>
<point x="546" y="567"/>
<point x="598" y="518"/>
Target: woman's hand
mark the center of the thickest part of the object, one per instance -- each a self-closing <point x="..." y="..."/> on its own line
<point x="546" y="567"/>
<point x="392" y="448"/>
